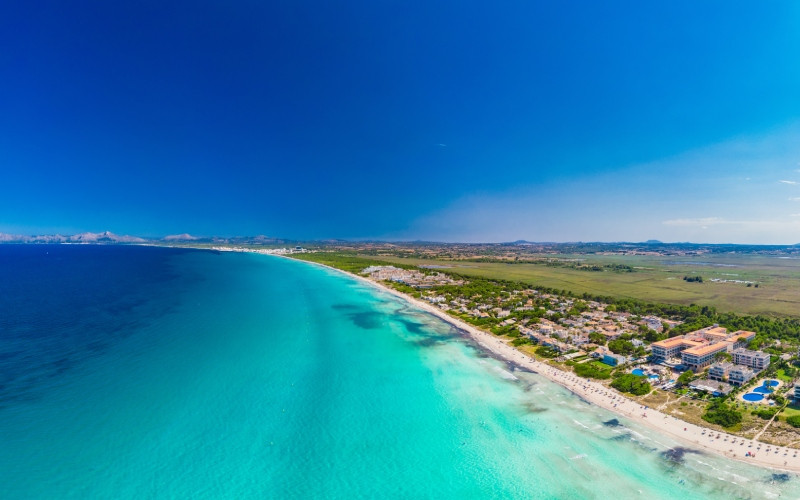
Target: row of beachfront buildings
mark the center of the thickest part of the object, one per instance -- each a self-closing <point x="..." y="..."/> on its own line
<point x="410" y="277"/>
<point x="700" y="349"/>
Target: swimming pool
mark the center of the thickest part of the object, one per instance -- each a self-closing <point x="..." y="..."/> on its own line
<point x="771" y="383"/>
<point x="753" y="397"/>
<point x="763" y="390"/>
<point x="652" y="376"/>
<point x="638" y="371"/>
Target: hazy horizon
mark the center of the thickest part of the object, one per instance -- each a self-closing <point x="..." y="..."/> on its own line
<point x="186" y="237"/>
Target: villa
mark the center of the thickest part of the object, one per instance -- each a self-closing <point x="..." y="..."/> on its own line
<point x="612" y="359"/>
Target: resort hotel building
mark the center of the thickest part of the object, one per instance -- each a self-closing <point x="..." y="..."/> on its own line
<point x="740" y="375"/>
<point x="698" y="357"/>
<point x="720" y="371"/>
<point x="728" y="372"/>
<point x="699" y="348"/>
<point x="756" y="360"/>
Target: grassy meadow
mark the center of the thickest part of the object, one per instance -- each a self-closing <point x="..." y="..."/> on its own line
<point x="659" y="279"/>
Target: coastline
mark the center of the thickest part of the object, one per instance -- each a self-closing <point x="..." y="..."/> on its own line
<point x="690" y="435"/>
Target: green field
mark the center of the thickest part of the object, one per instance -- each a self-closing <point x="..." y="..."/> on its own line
<point x="660" y="279"/>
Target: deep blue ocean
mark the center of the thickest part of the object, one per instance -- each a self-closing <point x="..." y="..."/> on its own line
<point x="143" y="372"/>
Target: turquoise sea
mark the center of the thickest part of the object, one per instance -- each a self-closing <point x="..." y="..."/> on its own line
<point x="136" y="372"/>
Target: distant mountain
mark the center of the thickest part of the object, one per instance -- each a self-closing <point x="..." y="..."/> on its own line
<point x="94" y="238"/>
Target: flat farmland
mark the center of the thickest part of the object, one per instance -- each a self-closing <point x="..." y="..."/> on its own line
<point x="659" y="279"/>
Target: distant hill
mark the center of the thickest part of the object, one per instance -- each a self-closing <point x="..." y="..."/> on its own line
<point x="86" y="238"/>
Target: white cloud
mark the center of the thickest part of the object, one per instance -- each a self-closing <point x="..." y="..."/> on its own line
<point x="788" y="182"/>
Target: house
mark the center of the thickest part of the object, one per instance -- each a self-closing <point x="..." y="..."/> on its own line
<point x="580" y="340"/>
<point x="610" y="334"/>
<point x="653" y="323"/>
<point x="612" y="359"/>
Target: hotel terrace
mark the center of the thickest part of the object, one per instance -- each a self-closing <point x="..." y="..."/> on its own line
<point x="698" y="349"/>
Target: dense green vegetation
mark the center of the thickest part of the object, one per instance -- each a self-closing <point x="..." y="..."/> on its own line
<point x="693" y="316"/>
<point x="657" y="279"/>
<point x="794" y="420"/>
<point x="549" y="262"/>
<point x="684" y="378"/>
<point x="721" y="413"/>
<point x="546" y="352"/>
<point x="765" y="413"/>
<point x="632" y="384"/>
<point x="592" y="370"/>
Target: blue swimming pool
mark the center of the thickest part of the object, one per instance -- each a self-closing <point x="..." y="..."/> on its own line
<point x="652" y="376"/>
<point x="751" y="396"/>
<point x="763" y="390"/>
<point x="770" y="383"/>
<point x="638" y="371"/>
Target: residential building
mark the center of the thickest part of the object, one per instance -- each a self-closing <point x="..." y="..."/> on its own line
<point x="756" y="360"/>
<point x="613" y="359"/>
<point x="579" y="340"/>
<point x="740" y="375"/>
<point x="610" y="334"/>
<point x="720" y="371"/>
<point x="797" y="392"/>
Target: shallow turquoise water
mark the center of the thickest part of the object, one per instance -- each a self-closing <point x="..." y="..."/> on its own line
<point x="268" y="378"/>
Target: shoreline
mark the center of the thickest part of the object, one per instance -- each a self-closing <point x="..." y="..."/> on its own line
<point x="690" y="435"/>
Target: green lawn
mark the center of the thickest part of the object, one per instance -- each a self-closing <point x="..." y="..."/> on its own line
<point x="790" y="411"/>
<point x="601" y="366"/>
<point x="781" y="374"/>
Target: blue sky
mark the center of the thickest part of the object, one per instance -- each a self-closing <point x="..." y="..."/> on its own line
<point x="457" y="121"/>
